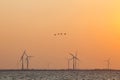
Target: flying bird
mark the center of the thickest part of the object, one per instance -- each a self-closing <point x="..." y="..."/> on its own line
<point x="60" y="34"/>
<point x="54" y="34"/>
<point x="64" y="33"/>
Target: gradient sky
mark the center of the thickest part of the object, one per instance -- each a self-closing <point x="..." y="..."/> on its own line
<point x="92" y="27"/>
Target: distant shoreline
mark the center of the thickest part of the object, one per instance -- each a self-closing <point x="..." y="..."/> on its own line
<point x="60" y="70"/>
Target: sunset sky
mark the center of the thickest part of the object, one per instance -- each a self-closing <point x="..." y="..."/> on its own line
<point x="92" y="27"/>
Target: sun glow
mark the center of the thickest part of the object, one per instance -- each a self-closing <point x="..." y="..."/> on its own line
<point x="92" y="27"/>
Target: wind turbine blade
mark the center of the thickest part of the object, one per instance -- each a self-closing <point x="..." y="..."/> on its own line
<point x="21" y="59"/>
<point x="24" y="52"/>
<point x="75" y="54"/>
<point x="30" y="56"/>
<point x="77" y="58"/>
<point x="70" y="59"/>
<point x="22" y="56"/>
<point x="71" y="54"/>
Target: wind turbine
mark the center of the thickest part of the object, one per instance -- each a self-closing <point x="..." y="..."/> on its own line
<point x="74" y="58"/>
<point x="22" y="59"/>
<point x="69" y="63"/>
<point x="28" y="61"/>
<point x="108" y="64"/>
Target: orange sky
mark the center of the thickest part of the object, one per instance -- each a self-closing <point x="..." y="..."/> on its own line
<point x="92" y="26"/>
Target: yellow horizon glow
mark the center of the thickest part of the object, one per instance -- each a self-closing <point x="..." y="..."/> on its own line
<point x="92" y="27"/>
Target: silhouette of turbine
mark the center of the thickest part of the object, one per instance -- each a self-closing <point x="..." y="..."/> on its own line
<point x="108" y="63"/>
<point x="22" y="59"/>
<point x="74" y="60"/>
<point x="28" y="61"/>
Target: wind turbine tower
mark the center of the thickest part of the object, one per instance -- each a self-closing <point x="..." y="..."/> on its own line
<point x="22" y="60"/>
<point x="108" y="63"/>
<point x="28" y="61"/>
